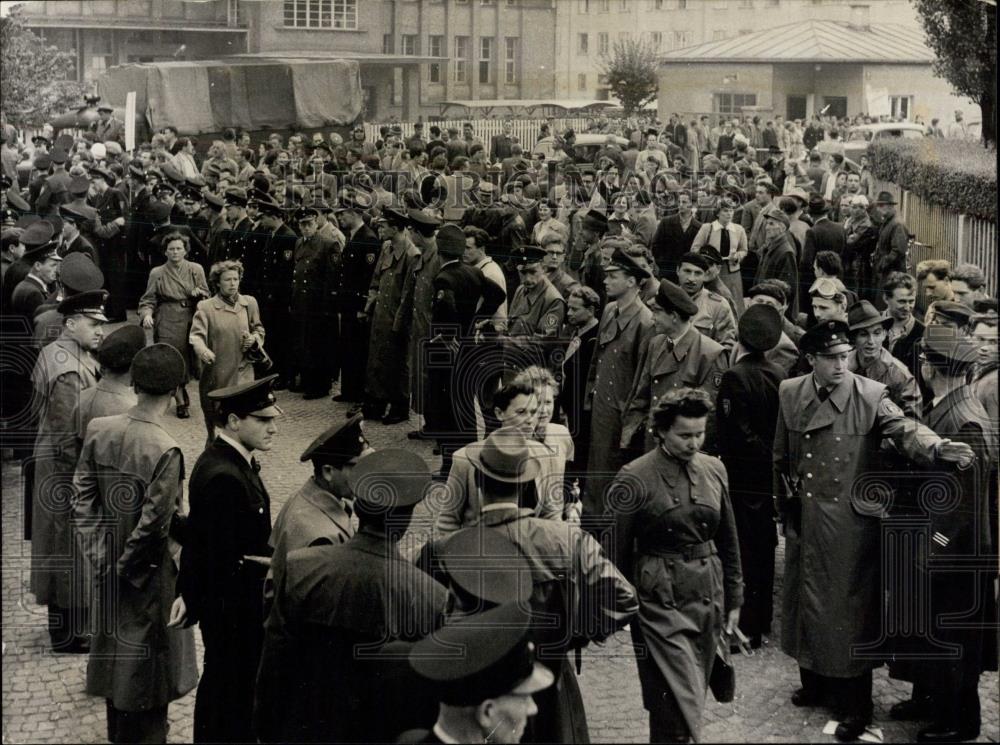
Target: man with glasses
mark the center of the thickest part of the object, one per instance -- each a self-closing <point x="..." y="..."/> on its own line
<point x="555" y="265"/>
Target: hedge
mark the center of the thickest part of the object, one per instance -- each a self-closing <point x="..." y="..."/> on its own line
<point x="956" y="174"/>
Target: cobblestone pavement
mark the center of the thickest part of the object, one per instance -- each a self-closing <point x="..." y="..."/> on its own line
<point x="44" y="701"/>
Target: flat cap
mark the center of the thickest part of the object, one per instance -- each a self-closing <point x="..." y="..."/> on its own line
<point x="255" y="397"/>
<point x="778" y="216"/>
<point x="484" y="568"/>
<point x="885" y="197"/>
<point x="120" y="346"/>
<point x="158" y="369"/>
<point x="78" y="273"/>
<point x="827" y="338"/>
<point x="760" y="328"/>
<point x="481" y="656"/>
<point x="389" y="478"/>
<point x="451" y="240"/>
<point x="670" y="297"/>
<point x="695" y="259"/>
<point x="338" y="445"/>
<point x="950" y="311"/>
<point x="864" y="315"/>
<point x="800" y="194"/>
<point x="89" y="304"/>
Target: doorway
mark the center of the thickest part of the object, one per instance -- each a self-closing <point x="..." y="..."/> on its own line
<point x="837" y="106"/>
<point x="796" y="107"/>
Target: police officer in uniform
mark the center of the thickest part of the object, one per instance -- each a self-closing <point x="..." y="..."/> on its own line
<point x="231" y="244"/>
<point x="360" y="253"/>
<point x="322" y="677"/>
<point x="315" y="280"/>
<point x="486" y="694"/>
<point x="128" y="552"/>
<point x="225" y="558"/>
<point x="677" y="357"/>
<point x="535" y="315"/>
<point x="829" y="429"/>
<point x="745" y="419"/>
<point x="109" y="234"/>
<point x="320" y="512"/>
<point x="714" y="318"/>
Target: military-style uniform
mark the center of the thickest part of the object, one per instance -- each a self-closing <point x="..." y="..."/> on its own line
<point x="360" y="253"/>
<point x="388" y="377"/>
<point x="110" y="244"/>
<point x="315" y="279"/>
<point x="533" y="322"/>
<point x="415" y="306"/>
<point x="676" y="538"/>
<point x="886" y="369"/>
<point x="563" y="281"/>
<point x="715" y="318"/>
<point x="269" y="275"/>
<point x="693" y="361"/>
<point x="622" y="338"/>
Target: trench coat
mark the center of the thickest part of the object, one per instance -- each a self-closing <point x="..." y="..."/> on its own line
<point x="388" y="375"/>
<point x="170" y="298"/>
<point x="218" y="326"/>
<point x="315" y="279"/>
<point x="824" y="451"/>
<point x="415" y="318"/>
<point x="63" y="370"/>
<point x="136" y="662"/>
<point x="695" y="361"/>
<point x="230" y="519"/>
<point x="622" y="340"/>
<point x="315" y="683"/>
<point x="676" y="539"/>
<point x="777" y="261"/>
<point x="563" y="558"/>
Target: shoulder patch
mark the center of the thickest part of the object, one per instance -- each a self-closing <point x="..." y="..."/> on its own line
<point x="370" y="258"/>
<point x="889" y="407"/>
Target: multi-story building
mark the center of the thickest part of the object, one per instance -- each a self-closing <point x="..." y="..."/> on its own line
<point x="588" y="29"/>
<point x="104" y="33"/>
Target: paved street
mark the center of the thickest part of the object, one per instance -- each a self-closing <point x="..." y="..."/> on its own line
<point x="43" y="698"/>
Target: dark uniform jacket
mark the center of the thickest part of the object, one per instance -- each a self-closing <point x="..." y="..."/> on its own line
<point x="534" y="318"/>
<point x="80" y="245"/>
<point x="29" y="294"/>
<point x="232" y="242"/>
<point x="891" y="248"/>
<point x="360" y="253"/>
<point x="671" y="241"/>
<point x="321" y="677"/>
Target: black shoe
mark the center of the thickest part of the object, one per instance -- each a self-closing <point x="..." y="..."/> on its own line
<point x="850" y="730"/>
<point x="313" y="395"/>
<point x="802" y="697"/>
<point x="911" y="710"/>
<point x="183" y="412"/>
<point x="395" y="417"/>
<point x="340" y="398"/>
<point x="946" y="733"/>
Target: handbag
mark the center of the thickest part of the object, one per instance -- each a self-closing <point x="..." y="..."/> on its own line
<point x="722" y="679"/>
<point x="257" y="356"/>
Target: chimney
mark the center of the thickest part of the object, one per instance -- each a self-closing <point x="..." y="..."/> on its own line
<point x="860" y="18"/>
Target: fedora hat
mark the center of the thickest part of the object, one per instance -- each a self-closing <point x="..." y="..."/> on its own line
<point x="504" y="456"/>
<point x="863" y="315"/>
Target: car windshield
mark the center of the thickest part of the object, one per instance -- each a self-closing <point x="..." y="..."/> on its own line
<point x="860" y="135"/>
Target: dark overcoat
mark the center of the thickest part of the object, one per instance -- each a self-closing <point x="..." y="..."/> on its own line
<point x="388" y="377"/>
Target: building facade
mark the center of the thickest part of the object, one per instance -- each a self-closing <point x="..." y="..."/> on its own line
<point x="104" y="33"/>
<point x="587" y="29"/>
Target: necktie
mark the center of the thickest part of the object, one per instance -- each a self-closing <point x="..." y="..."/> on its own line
<point x="255" y="465"/>
<point x="823" y="394"/>
<point x="668" y="343"/>
<point x="724" y="243"/>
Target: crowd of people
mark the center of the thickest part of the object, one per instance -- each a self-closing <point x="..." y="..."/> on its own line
<point x="605" y="348"/>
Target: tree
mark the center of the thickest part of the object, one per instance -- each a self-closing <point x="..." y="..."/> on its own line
<point x="963" y="36"/>
<point x="34" y="84"/>
<point x="631" y="71"/>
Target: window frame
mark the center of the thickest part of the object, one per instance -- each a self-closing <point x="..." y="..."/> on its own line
<point x="460" y="70"/>
<point x="510" y="48"/>
<point x="434" y="69"/>
<point x="485" y="59"/>
<point x="324" y="15"/>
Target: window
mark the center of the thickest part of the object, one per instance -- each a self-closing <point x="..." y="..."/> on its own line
<point x="901" y="106"/>
<point x="461" y="58"/>
<point x="584" y="6"/>
<point x="605" y="6"/>
<point x="733" y="103"/>
<point x="581" y="81"/>
<point x="602" y="42"/>
<point x="582" y="44"/>
<point x="387" y="46"/>
<point x="510" y="59"/>
<point x="656" y="39"/>
<point x="485" y="57"/>
<point x="682" y="39"/>
<point x="332" y="14"/>
<point x="435" y="47"/>
<point x="718" y="34"/>
<point x="409" y="47"/>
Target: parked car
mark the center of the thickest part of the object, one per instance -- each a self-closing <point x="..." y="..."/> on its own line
<point x="859" y="138"/>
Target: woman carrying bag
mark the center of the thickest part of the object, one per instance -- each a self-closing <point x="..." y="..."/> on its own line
<point x="730" y="240"/>
<point x="227" y="336"/>
<point x="167" y="306"/>
<point x="676" y="540"/>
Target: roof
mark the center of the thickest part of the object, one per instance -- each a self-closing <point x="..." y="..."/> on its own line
<point x="814" y="41"/>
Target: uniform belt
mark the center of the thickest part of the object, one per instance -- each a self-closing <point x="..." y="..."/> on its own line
<point x="185" y="303"/>
<point x="686" y="552"/>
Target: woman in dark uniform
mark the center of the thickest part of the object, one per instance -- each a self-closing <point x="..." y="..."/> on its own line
<point x="677" y="542"/>
<point x="168" y="305"/>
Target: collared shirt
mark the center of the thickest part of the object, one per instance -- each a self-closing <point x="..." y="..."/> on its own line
<point x="237" y="446"/>
<point x="893" y="334"/>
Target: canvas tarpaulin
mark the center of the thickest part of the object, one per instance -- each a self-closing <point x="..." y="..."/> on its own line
<point x="210" y="96"/>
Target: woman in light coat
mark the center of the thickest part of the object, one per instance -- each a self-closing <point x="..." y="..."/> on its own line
<point x="711" y="234"/>
<point x="224" y="331"/>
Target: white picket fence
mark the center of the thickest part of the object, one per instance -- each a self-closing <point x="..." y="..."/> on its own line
<point x="945" y="234"/>
<point x="525" y="130"/>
